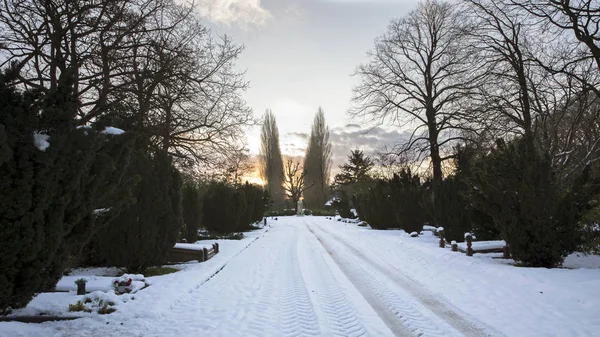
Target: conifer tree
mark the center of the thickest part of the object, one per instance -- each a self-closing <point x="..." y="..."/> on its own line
<point x="517" y="187"/>
<point x="356" y="169"/>
<point x="223" y="208"/>
<point x="141" y="235"/>
<point x="254" y="205"/>
<point x="53" y="176"/>
<point x="271" y="162"/>
<point x="354" y="175"/>
<point x="192" y="211"/>
<point x="409" y="201"/>
<point x="317" y="164"/>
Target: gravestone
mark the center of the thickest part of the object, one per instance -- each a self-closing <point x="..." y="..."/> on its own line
<point x="300" y="210"/>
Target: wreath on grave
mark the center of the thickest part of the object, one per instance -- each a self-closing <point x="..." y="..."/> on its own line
<point x="122" y="284"/>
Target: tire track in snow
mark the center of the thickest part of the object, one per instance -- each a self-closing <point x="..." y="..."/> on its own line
<point x="356" y="277"/>
<point x="340" y="315"/>
<point x="296" y="314"/>
<point x="404" y="309"/>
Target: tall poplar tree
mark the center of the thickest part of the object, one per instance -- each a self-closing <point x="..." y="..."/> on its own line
<point x="271" y="163"/>
<point x="317" y="163"/>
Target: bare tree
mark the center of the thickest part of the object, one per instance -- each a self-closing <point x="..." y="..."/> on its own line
<point x="418" y="73"/>
<point x="533" y="89"/>
<point x="271" y="163"/>
<point x="388" y="162"/>
<point x="151" y="64"/>
<point x="200" y="113"/>
<point x="87" y="40"/>
<point x="317" y="163"/>
<point x="237" y="166"/>
<point x="294" y="182"/>
<point x="581" y="18"/>
<point x="571" y="134"/>
<point x="512" y="95"/>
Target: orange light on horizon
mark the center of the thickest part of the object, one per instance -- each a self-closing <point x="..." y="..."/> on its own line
<point x="253" y="180"/>
<point x="253" y="177"/>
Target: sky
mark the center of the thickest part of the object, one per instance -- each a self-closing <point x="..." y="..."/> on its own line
<point x="299" y="56"/>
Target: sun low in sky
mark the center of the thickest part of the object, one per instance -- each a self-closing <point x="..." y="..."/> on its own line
<point x="299" y="56"/>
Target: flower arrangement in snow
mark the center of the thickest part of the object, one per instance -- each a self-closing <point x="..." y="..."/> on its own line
<point x="122" y="284"/>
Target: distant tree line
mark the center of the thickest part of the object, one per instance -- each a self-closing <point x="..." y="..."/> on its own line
<point x="111" y="113"/>
<point x="502" y="96"/>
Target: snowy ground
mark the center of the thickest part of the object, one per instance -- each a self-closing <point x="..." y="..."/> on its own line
<point x="308" y="276"/>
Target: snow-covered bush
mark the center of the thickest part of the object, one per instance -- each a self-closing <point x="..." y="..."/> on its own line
<point x="536" y="215"/>
<point x="98" y="301"/>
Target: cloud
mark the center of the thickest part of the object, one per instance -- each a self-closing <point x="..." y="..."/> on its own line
<point x="301" y="135"/>
<point x="292" y="149"/>
<point x="293" y="9"/>
<point x="351" y="137"/>
<point x="241" y="12"/>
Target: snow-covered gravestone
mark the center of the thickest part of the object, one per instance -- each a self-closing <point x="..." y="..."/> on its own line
<point x="300" y="209"/>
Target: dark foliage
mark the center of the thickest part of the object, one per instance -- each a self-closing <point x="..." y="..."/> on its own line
<point x="49" y="196"/>
<point x="356" y="169"/>
<point x="538" y="218"/>
<point x="376" y="206"/>
<point x="343" y="206"/>
<point x="223" y="208"/>
<point x="192" y="212"/>
<point x="400" y="202"/>
<point x="409" y="201"/>
<point x="141" y="235"/>
<point x="453" y="209"/>
<point x="254" y="206"/>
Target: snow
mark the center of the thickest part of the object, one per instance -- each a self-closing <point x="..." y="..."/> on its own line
<point x="429" y="228"/>
<point x="17" y="329"/>
<point x="111" y="130"/>
<point x="580" y="260"/>
<point x="330" y="201"/>
<point x="102" y="271"/>
<point x="40" y="141"/>
<point x="313" y="276"/>
<point x="483" y="245"/>
<point x="503" y="299"/>
<point x="100" y="211"/>
<point x="103" y="283"/>
<point x="55" y="304"/>
<point x="192" y="246"/>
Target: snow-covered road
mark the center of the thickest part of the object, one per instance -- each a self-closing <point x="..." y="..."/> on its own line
<point x="309" y="276"/>
<point x="406" y="307"/>
<point x="300" y="280"/>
